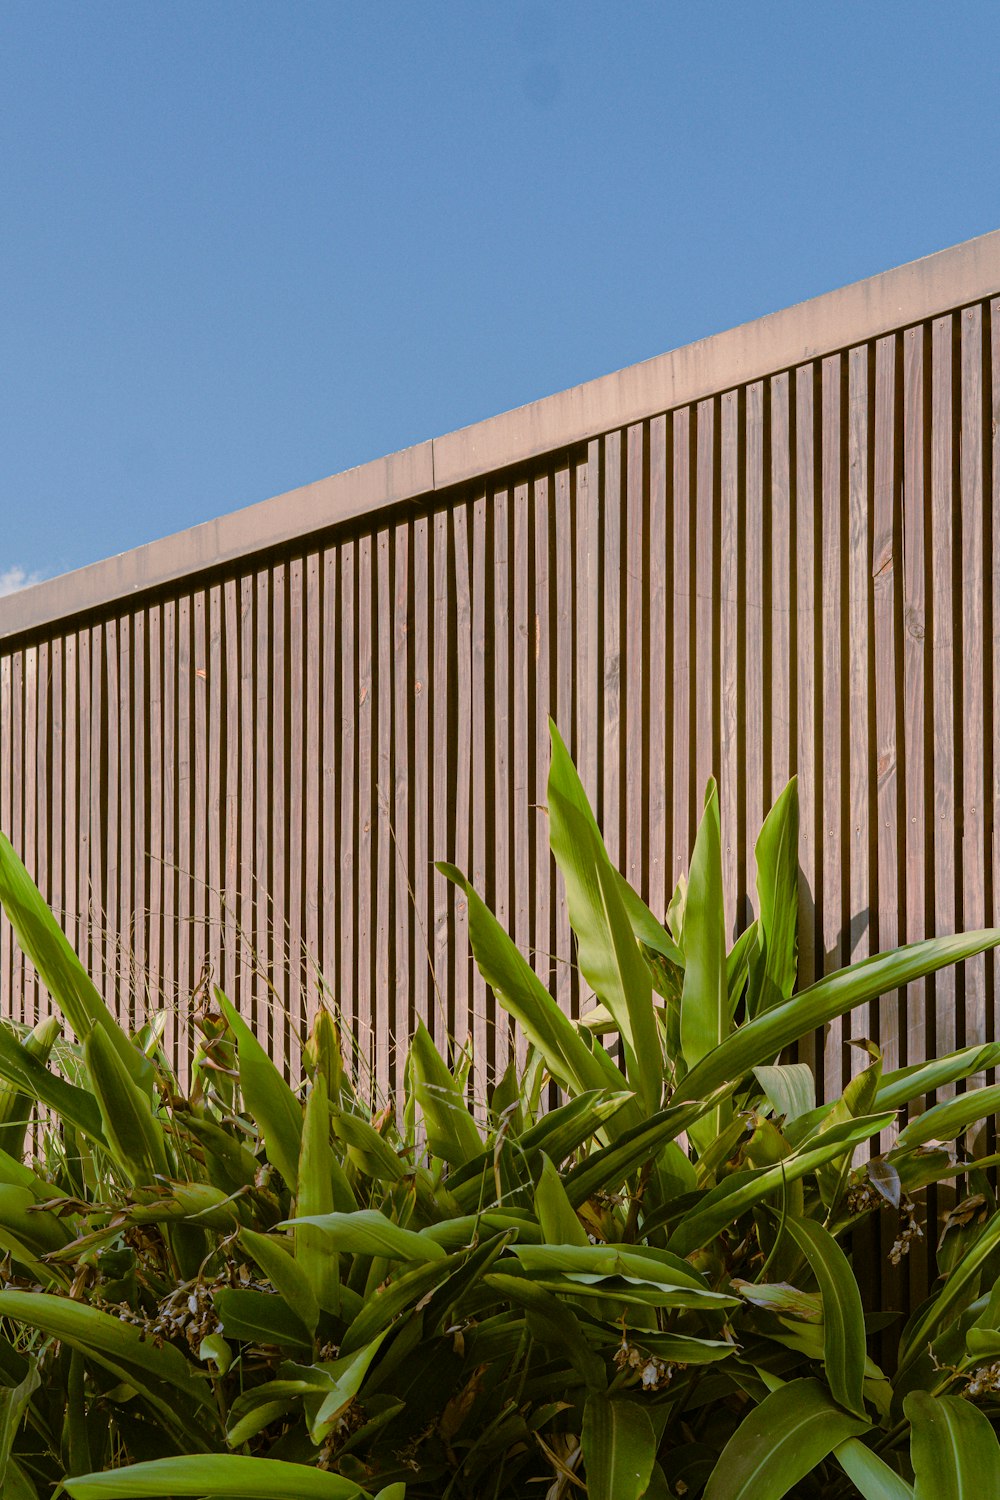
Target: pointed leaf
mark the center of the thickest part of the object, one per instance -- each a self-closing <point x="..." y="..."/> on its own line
<point x="760" y="1040"/>
<point x="780" y="1442"/>
<point x="267" y="1096"/>
<point x="607" y="952"/>
<point x="521" y="993"/>
<point x="451" y="1130"/>
<point x="773" y="973"/>
<point x="43" y="941"/>
<point x="221" y="1476"/>
<point x="619" y="1447"/>
<point x="844" y="1349"/>
<point x="953" y="1449"/>
<point x="369" y="1232"/>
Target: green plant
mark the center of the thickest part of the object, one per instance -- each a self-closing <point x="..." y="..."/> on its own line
<point x="239" y="1287"/>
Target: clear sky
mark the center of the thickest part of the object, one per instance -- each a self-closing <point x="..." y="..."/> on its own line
<point x="247" y="244"/>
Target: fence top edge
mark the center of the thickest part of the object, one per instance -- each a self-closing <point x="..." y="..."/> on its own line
<point x="892" y="300"/>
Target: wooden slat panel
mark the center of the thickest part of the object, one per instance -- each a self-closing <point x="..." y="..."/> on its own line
<point x="660" y="614"/>
<point x="808" y="493"/>
<point x="834" y="706"/>
<point x="888" y="777"/>
<point x="683" y="680"/>
<point x="978" y="1026"/>
<point x="948" y="1027"/>
<point x="731" y="768"/>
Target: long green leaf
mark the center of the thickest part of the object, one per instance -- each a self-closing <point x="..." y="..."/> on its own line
<point x="451" y="1130"/>
<point x="285" y="1274"/>
<point x="369" y="1232"/>
<point x="521" y="993"/>
<point x="74" y="1105"/>
<point x="870" y="1475"/>
<point x="773" y="970"/>
<point x="606" y="1169"/>
<point x="43" y="941"/>
<point x="646" y="927"/>
<point x="780" y="1442"/>
<point x="705" y="997"/>
<point x="93" y="1331"/>
<point x="13" y="1405"/>
<point x="317" y="1171"/>
<point x="741" y="1191"/>
<point x="950" y="1118"/>
<point x="223" y="1476"/>
<point x="953" y="1449"/>
<point x="904" y="1084"/>
<point x="607" y="952"/>
<point x="134" y="1135"/>
<point x="921" y="1329"/>
<point x="844" y="1350"/>
<point x="619" y="1448"/>
<point x="267" y="1096"/>
<point x="761" y="1039"/>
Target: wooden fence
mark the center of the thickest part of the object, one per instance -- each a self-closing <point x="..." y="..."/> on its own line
<point x="237" y="752"/>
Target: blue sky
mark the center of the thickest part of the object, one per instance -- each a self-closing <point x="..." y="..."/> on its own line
<point x="247" y="245"/>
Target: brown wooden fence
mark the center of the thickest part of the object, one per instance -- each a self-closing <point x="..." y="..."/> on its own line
<point x="238" y="751"/>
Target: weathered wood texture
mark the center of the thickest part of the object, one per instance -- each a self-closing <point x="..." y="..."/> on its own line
<point x="247" y="776"/>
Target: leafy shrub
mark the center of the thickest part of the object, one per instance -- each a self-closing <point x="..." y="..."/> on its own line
<point x="240" y="1288"/>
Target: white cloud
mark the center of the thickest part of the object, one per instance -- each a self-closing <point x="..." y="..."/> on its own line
<point x="12" y="579"/>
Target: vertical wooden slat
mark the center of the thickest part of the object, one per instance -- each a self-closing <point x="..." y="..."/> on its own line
<point x="757" y="728"/>
<point x="660" y="592"/>
<point x="441" y="762"/>
<point x="384" y="996"/>
<point x="217" y="840"/>
<point x="588" y="617"/>
<point x="461" y="760"/>
<point x="233" y="657"/>
<point x="6" y="816"/>
<point x="782" y="695"/>
<point x="807" y="499"/>
<point x="541" y="647"/>
<point x="154" y="979"/>
<point x="364" y="1013"/>
<point x="140" y="811"/>
<point x="29" y="761"/>
<point x="350" y="811"/>
<point x="705" y="612"/>
<point x="633" y="664"/>
<point x="683" y="833"/>
<point x="612" y="788"/>
<point x="247" y="789"/>
<point x="918" y="828"/>
<point x="522" y="678"/>
<point x="731" y="769"/>
<point x="398" y="794"/>
<point x="948" y="1029"/>
<point x="918" y="813"/>
<point x="481" y="710"/>
<point x="184" y="853"/>
<point x="425" y="999"/>
<point x="335" y="749"/>
<point x="298" y="730"/>
<point x="275" y="828"/>
<point x="502" y="732"/>
<point x="884" y="570"/>
<point x="204" y="829"/>
<point x="314" y="801"/>
<point x="973" y="720"/>
<point x="122" y="710"/>
<point x="168" y="837"/>
<point x="562" y="706"/>
<point x="71" y="806"/>
<point x="834" y="702"/>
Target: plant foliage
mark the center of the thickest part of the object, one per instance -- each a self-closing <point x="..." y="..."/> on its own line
<point x="234" y="1285"/>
